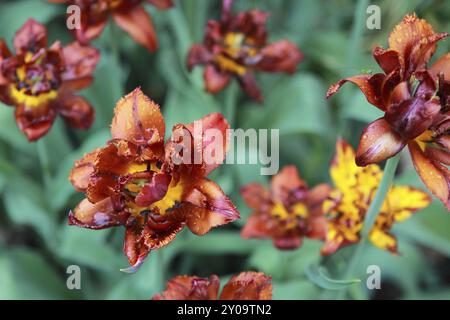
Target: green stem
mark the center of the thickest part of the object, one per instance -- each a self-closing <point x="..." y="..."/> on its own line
<point x="358" y="27"/>
<point x="44" y="161"/>
<point x="230" y="104"/>
<point x="371" y="216"/>
<point x="115" y="50"/>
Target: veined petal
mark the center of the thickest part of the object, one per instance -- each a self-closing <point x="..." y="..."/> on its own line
<point x="157" y="234"/>
<point x="415" y="40"/>
<point x="101" y="187"/>
<point x="89" y="32"/>
<point x="370" y="86"/>
<point x="249" y="85"/>
<point x="138" y="119"/>
<point x="402" y="201"/>
<point x="190" y="288"/>
<point x="317" y="195"/>
<point x="98" y="215"/>
<point x="378" y="143"/>
<point x="383" y="240"/>
<point x="409" y="32"/>
<point x="30" y="37"/>
<point x="256" y="196"/>
<point x="34" y="122"/>
<point x="4" y="53"/>
<point x="317" y="227"/>
<point x="138" y="24"/>
<point x="339" y="236"/>
<point x="343" y="169"/>
<point x="423" y="51"/>
<point x="116" y="158"/>
<point x="80" y="62"/>
<point x="215" y="80"/>
<point x="442" y="65"/>
<point x="287" y="242"/>
<point x="257" y="226"/>
<point x="280" y="56"/>
<point x="207" y="207"/>
<point x="389" y="60"/>
<point x="209" y="142"/>
<point x="76" y="111"/>
<point x="248" y="286"/>
<point x="439" y="155"/>
<point x="253" y="24"/>
<point x="198" y="54"/>
<point x="286" y="182"/>
<point x="134" y="247"/>
<point x="435" y="176"/>
<point x="412" y="117"/>
<point x="153" y="191"/>
<point x="400" y="93"/>
<point x="82" y="170"/>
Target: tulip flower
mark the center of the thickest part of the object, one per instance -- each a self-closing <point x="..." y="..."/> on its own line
<point x="237" y="46"/>
<point x="40" y="81"/>
<point x="136" y="180"/>
<point x="287" y="212"/>
<point x="415" y="101"/>
<point x="347" y="204"/>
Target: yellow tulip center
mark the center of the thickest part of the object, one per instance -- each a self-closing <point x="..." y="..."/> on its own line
<point x="169" y="202"/>
<point x="36" y="83"/>
<point x="235" y="46"/>
<point x="291" y="215"/>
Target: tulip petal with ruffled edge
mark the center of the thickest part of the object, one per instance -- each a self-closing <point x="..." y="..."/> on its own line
<point x="245" y="286"/>
<point x="40" y="81"/>
<point x="148" y="193"/>
<point x="236" y="46"/>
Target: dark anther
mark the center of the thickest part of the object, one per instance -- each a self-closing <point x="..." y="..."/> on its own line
<point x="21" y="85"/>
<point x="54" y="84"/>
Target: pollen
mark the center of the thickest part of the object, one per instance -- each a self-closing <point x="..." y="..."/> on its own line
<point x="230" y="65"/>
<point x="137" y="167"/>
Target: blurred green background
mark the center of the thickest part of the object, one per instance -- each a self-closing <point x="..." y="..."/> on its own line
<point x="36" y="245"/>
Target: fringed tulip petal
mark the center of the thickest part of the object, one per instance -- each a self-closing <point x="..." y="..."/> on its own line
<point x="190" y="288"/>
<point x="280" y="56"/>
<point x="82" y="170"/>
<point x="207" y="207"/>
<point x="248" y="286"/>
<point x="80" y="64"/>
<point x="368" y="84"/>
<point x="98" y="215"/>
<point x="138" y="119"/>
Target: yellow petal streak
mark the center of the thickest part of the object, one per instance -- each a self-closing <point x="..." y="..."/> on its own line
<point x="20" y="97"/>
